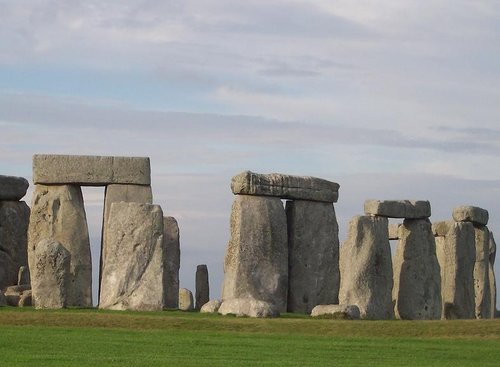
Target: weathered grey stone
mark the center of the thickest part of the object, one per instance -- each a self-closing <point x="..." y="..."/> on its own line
<point x="285" y="186"/>
<point x="3" y="300"/>
<point x="23" y="276"/>
<point x="481" y="272"/>
<point x="417" y="279"/>
<point x="256" y="262"/>
<point x="344" y="312"/>
<point x="366" y="268"/>
<point x="471" y="214"/>
<point x="441" y="257"/>
<point x="172" y="261"/>
<point x="202" y="286"/>
<point x="58" y="213"/>
<point x="14" y="219"/>
<point x="492" y="278"/>
<point x="394" y="231"/>
<point x="14" y="294"/>
<point x="313" y="255"/>
<point x="211" y="306"/>
<point x="457" y="272"/>
<point x="90" y="170"/>
<point x="132" y="274"/>
<point x="186" y="302"/>
<point x="52" y="276"/>
<point x="441" y="228"/>
<point x="17" y="288"/>
<point x="26" y="299"/>
<point x="409" y="209"/>
<point x="248" y="307"/>
<point x="12" y="188"/>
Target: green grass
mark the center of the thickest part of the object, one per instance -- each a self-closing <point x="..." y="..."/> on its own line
<point x="104" y="338"/>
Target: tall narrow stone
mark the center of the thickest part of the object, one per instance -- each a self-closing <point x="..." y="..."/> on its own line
<point x="481" y="272"/>
<point x="417" y="279"/>
<point x="14" y="219"/>
<point x="458" y="272"/>
<point x="366" y="268"/>
<point x="172" y="262"/>
<point x="492" y="279"/>
<point x="313" y="255"/>
<point x="57" y="212"/>
<point x="132" y="274"/>
<point x="256" y="262"/>
<point x="202" y="286"/>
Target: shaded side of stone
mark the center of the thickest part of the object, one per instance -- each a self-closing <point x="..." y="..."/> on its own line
<point x="12" y="188"/>
<point x="202" y="286"/>
<point x="471" y="214"/>
<point x="481" y="273"/>
<point x="172" y="260"/>
<point x="492" y="277"/>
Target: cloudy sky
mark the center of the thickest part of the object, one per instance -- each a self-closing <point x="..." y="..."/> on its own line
<point x="391" y="99"/>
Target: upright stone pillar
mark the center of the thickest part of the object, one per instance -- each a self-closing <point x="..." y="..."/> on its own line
<point x="366" y="269"/>
<point x="202" y="286"/>
<point x="493" y="283"/>
<point x="417" y="280"/>
<point x="482" y="272"/>
<point x="57" y="213"/>
<point x="256" y="262"/>
<point x="172" y="261"/>
<point x="313" y="255"/>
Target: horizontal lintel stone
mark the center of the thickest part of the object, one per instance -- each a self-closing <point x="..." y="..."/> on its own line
<point x="441" y="228"/>
<point x="12" y="188"/>
<point x="408" y="209"/>
<point x="470" y="214"/>
<point x="285" y="186"/>
<point x="50" y="169"/>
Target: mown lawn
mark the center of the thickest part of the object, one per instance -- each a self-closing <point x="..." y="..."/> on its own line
<point x="102" y="338"/>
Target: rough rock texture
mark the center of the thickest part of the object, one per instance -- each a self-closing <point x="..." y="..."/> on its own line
<point x="211" y="306"/>
<point x="132" y="274"/>
<point x="344" y="312"/>
<point x="52" y="275"/>
<point x="441" y="257"/>
<point x="186" y="302"/>
<point x="14" y="220"/>
<point x="441" y="228"/>
<point x="12" y="188"/>
<point x="202" y="286"/>
<point x="23" y="276"/>
<point x="171" y="245"/>
<point x="57" y="213"/>
<point x="394" y="231"/>
<point x="285" y="186"/>
<point x="14" y="294"/>
<point x="417" y="279"/>
<point x="3" y="300"/>
<point x="90" y="170"/>
<point x="26" y="299"/>
<point x="471" y="214"/>
<point x="481" y="272"/>
<point x="248" y="307"/>
<point x="457" y="272"/>
<point x="398" y="208"/>
<point x="313" y="255"/>
<point x="491" y="275"/>
<point x="256" y="262"/>
<point x="366" y="268"/>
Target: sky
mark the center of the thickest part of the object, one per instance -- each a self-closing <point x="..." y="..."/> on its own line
<point x="392" y="99"/>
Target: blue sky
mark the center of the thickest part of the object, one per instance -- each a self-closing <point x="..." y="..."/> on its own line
<point x="391" y="99"/>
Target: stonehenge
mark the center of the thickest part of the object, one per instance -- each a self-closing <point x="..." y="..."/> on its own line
<point x="186" y="301"/>
<point x="202" y="294"/>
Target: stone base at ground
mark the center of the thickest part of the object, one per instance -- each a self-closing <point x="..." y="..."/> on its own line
<point x="248" y="307"/>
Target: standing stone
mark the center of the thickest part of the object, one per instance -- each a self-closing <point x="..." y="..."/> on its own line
<point x="481" y="272"/>
<point x="417" y="279"/>
<point x="172" y="262"/>
<point x="51" y="275"/>
<point x="14" y="219"/>
<point x="58" y="213"/>
<point x="202" y="286"/>
<point x="493" y="283"/>
<point x="366" y="268"/>
<point x="457" y="272"/>
<point x="256" y="262"/>
<point x="23" y="276"/>
<point x="186" y="302"/>
<point x="132" y="274"/>
<point x="12" y="188"/>
<point x="313" y="255"/>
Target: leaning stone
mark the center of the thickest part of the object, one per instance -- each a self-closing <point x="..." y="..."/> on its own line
<point x="3" y="300"/>
<point x="202" y="286"/>
<point x="394" y="231"/>
<point x="172" y="262"/>
<point x="211" y="306"/>
<point x="12" y="188"/>
<point x="23" y="276"/>
<point x="417" y="279"/>
<point x="285" y="186"/>
<point x="471" y="214"/>
<point x="313" y="255"/>
<point x="366" y="268"/>
<point x="248" y="307"/>
<point x="457" y="272"/>
<point x="256" y="262"/>
<point x="343" y="312"/>
<point x="26" y="299"/>
<point x="90" y="170"/>
<point x="186" y="302"/>
<point x="492" y="278"/>
<point x="481" y="273"/>
<point x="408" y="209"/>
<point x="14" y="220"/>
<point x="132" y="274"/>
<point x="51" y="275"/>
<point x="58" y="213"/>
<point x="441" y="228"/>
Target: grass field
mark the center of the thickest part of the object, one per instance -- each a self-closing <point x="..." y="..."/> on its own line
<point x="80" y="337"/>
